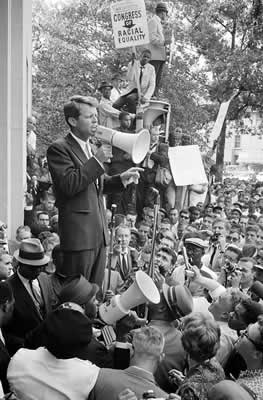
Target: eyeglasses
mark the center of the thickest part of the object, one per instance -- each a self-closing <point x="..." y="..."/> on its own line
<point x="232" y="239"/>
<point x="258" y="346"/>
<point x="184" y="217"/>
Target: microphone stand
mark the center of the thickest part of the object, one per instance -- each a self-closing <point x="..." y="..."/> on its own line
<point x="112" y="230"/>
<point x="151" y="263"/>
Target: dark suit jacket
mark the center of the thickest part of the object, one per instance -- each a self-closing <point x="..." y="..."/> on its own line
<point x="26" y="315"/>
<point x="111" y="382"/>
<point x="132" y="258"/>
<point x="82" y="219"/>
<point x="4" y="361"/>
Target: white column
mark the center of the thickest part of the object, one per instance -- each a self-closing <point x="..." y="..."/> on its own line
<point x="18" y="115"/>
<point x="15" y="87"/>
<point x="5" y="109"/>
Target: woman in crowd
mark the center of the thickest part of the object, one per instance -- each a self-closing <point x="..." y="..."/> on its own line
<point x="200" y="339"/>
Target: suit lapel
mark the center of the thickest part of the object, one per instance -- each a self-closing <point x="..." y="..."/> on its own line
<point x="28" y="301"/>
<point x="76" y="149"/>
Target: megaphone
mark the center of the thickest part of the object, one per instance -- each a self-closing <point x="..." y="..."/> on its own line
<point x="155" y="109"/>
<point x="141" y="291"/>
<point x="136" y="144"/>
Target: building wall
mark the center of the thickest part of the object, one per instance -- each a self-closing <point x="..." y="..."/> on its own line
<point x="15" y="105"/>
<point x="246" y="148"/>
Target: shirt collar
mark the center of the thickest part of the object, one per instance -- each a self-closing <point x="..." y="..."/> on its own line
<point x="81" y="142"/>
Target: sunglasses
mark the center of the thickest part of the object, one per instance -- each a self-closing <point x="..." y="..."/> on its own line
<point x="184" y="217"/>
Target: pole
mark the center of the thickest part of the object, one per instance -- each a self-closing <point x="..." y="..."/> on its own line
<point x="112" y="229"/>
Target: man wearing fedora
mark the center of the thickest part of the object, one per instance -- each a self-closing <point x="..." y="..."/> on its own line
<point x="79" y="182"/>
<point x="108" y="115"/>
<point x="32" y="293"/>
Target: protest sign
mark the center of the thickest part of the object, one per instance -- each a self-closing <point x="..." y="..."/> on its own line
<point x="186" y="165"/>
<point x="129" y="23"/>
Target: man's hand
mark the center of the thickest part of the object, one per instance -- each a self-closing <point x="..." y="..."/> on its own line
<point x="117" y="249"/>
<point x="132" y="175"/>
<point x="104" y="153"/>
<point x="196" y="272"/>
<point x="127" y="394"/>
<point x="126" y="324"/>
<point x="143" y="100"/>
<point x="158" y="279"/>
<point x="108" y="296"/>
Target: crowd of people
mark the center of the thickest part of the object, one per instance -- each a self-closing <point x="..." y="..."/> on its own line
<point x="202" y="246"/>
<point x="205" y="337"/>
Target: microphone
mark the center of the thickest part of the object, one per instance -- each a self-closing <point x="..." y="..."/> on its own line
<point x="157" y="195"/>
<point x="154" y="190"/>
<point x="113" y="208"/>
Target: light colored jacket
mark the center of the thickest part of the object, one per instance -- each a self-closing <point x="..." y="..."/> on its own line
<point x="147" y="82"/>
<point x="108" y="115"/>
<point x="157" y="39"/>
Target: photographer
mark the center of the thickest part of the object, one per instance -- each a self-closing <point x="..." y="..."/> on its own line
<point x="220" y="230"/>
<point x="230" y="273"/>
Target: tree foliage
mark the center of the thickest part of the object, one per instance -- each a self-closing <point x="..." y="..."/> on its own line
<point x="217" y="50"/>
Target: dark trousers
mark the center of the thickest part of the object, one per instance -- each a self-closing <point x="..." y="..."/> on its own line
<point x="90" y="263"/>
<point x="158" y="66"/>
<point x="127" y="102"/>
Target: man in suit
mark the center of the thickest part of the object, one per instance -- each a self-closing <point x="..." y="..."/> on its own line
<point x="139" y="73"/>
<point x="158" y="41"/>
<point x="32" y="293"/>
<point x="7" y="302"/>
<point x="124" y="258"/>
<point x="79" y="183"/>
<point x="148" y="344"/>
<point x="120" y="162"/>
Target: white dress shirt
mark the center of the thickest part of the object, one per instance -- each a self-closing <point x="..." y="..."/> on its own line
<point x="85" y="146"/>
<point x="37" y="374"/>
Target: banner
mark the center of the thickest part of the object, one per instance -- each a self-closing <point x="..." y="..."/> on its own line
<point x="186" y="165"/>
<point x="221" y="116"/>
<point x="129" y="23"/>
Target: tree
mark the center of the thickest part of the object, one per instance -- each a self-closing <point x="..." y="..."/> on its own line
<point x="73" y="51"/>
<point x="227" y="34"/>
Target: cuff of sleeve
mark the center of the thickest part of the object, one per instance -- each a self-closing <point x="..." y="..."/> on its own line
<point x="102" y="166"/>
<point x="123" y="345"/>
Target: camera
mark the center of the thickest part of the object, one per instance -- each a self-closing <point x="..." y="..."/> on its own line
<point x="229" y="267"/>
<point x="214" y="238"/>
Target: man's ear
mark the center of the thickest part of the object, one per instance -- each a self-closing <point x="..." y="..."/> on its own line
<point x="72" y="121"/>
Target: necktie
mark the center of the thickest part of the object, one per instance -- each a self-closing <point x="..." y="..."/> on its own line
<point x="213" y="256"/>
<point x="35" y="294"/>
<point x="88" y="150"/>
<point x="140" y="79"/>
<point x="124" y="266"/>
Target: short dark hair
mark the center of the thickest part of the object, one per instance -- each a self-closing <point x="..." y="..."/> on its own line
<point x="170" y="252"/>
<point x="72" y="108"/>
<point x="146" y="51"/>
<point x="192" y="209"/>
<point x="252" y="310"/>
<point x="252" y="228"/>
<point x="235" y="250"/>
<point x="6" y="293"/>
<point x="183" y="211"/>
<point x="201" y="337"/>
